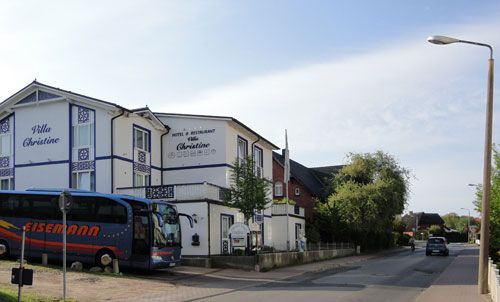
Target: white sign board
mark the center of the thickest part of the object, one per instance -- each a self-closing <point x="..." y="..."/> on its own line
<point x="239" y="234"/>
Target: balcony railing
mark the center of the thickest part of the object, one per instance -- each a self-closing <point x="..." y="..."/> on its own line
<point x="282" y="209"/>
<point x="177" y="192"/>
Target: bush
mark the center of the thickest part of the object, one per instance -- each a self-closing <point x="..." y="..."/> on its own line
<point x="403" y="240"/>
<point x="268" y="249"/>
<point x="239" y="252"/>
<point x="456" y="237"/>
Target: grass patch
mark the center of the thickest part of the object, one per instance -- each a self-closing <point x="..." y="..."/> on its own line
<point x="8" y="294"/>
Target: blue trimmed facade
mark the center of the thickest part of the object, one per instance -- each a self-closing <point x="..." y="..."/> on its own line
<point x="61" y="139"/>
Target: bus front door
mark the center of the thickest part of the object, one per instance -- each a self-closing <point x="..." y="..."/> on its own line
<point x="141" y="243"/>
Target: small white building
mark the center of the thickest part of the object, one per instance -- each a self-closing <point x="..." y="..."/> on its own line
<point x="199" y="152"/>
<point x="51" y="137"/>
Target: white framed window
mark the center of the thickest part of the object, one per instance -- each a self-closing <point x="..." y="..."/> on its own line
<point x="83" y="180"/>
<point x="141" y="180"/>
<point x="7" y="183"/>
<point x="297" y="191"/>
<point x="258" y="161"/>
<point x="83" y="135"/>
<point x="141" y="139"/>
<point x="5" y="144"/>
<point x="278" y="188"/>
<point x="242" y="148"/>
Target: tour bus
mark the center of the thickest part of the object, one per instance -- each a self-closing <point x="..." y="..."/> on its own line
<point x="140" y="233"/>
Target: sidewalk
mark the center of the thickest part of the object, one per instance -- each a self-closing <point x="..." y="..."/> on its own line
<point x="458" y="282"/>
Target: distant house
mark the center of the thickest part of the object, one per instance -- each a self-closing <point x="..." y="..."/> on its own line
<point x="306" y="184"/>
<point x="421" y="221"/>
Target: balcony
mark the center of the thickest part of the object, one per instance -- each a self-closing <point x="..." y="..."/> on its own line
<point x="283" y="209"/>
<point x="176" y="192"/>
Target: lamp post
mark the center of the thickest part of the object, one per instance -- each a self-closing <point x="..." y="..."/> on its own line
<point x="485" y="210"/>
<point x="468" y="225"/>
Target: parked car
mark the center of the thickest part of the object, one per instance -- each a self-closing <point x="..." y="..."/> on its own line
<point x="436" y="245"/>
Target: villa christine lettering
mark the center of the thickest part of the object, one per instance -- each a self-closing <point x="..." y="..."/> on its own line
<point x="57" y="228"/>
<point x="184" y="146"/>
<point x="38" y="130"/>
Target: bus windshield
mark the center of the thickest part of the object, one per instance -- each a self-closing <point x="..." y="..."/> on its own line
<point x="167" y="230"/>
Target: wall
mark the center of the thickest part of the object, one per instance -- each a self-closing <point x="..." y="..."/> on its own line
<point x="123" y="137"/>
<point x="493" y="281"/>
<point x="274" y="260"/>
<point x="43" y="114"/>
<point x="279" y="231"/>
<point x="201" y="228"/>
<point x="268" y="261"/>
<point x="194" y="150"/>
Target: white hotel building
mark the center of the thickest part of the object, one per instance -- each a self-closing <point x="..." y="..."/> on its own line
<point x="54" y="138"/>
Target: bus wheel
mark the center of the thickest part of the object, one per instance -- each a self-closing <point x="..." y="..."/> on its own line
<point x="5" y="252"/>
<point x="104" y="258"/>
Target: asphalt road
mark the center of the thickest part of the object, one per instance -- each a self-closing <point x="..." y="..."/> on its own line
<point x="399" y="277"/>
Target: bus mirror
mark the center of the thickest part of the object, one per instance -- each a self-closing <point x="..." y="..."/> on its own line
<point x="3" y="249"/>
<point x="188" y="217"/>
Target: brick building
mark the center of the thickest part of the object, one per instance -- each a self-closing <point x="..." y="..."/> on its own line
<point x="306" y="184"/>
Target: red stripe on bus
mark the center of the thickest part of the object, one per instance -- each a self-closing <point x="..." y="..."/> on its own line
<point x="59" y="245"/>
<point x="162" y="252"/>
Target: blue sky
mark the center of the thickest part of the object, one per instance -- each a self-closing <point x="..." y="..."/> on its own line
<point x="341" y="76"/>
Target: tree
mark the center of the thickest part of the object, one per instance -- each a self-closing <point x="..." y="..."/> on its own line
<point x="368" y="193"/>
<point x="453" y="221"/>
<point x="494" y="204"/>
<point x="435" y="230"/>
<point x="248" y="192"/>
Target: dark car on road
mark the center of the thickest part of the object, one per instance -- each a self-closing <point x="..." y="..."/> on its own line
<point x="436" y="245"/>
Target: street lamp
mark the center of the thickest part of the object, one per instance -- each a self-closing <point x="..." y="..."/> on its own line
<point x="485" y="210"/>
<point x="468" y="225"/>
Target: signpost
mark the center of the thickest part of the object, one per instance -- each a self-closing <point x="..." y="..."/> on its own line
<point x="64" y="205"/>
<point x="21" y="276"/>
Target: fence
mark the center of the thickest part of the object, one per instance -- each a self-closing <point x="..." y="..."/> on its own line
<point x="329" y="246"/>
<point x="493" y="281"/>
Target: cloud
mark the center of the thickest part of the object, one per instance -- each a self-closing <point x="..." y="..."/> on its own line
<point x="420" y="102"/>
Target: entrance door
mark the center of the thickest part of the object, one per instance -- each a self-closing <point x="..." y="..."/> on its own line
<point x="226" y="222"/>
<point x="298" y="228"/>
<point x="141" y="244"/>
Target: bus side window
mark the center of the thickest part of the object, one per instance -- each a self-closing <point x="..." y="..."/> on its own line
<point x="82" y="209"/>
<point x="8" y="206"/>
<point x="42" y="206"/>
<point x="110" y="211"/>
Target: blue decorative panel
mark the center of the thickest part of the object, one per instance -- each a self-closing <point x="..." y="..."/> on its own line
<point x="142" y="157"/>
<point x="83" y="165"/>
<point x="83" y="115"/>
<point x="142" y="168"/>
<point x="30" y="98"/>
<point x="4" y="161"/>
<point x="83" y="154"/>
<point x="6" y="172"/>
<point x="4" y="126"/>
<point x="43" y="95"/>
<point x="158" y="192"/>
